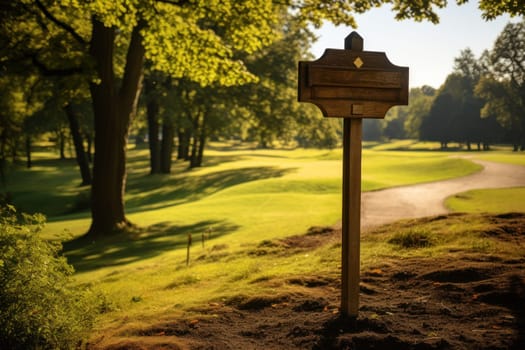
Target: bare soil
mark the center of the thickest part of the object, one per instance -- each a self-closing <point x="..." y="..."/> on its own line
<point x="461" y="301"/>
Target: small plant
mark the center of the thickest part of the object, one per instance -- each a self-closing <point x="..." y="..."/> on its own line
<point x="412" y="239"/>
<point x="39" y="308"/>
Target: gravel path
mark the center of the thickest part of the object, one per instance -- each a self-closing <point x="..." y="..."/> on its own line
<point x="384" y="206"/>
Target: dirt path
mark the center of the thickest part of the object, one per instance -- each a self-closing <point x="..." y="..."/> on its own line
<point x="385" y="206"/>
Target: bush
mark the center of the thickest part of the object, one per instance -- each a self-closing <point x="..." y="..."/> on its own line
<point x="412" y="239"/>
<point x="39" y="307"/>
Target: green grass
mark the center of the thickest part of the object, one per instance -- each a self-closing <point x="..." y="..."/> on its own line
<point x="435" y="236"/>
<point x="240" y="187"/>
<point x="395" y="168"/>
<point x="517" y="158"/>
<point x="488" y="200"/>
<point x="244" y="201"/>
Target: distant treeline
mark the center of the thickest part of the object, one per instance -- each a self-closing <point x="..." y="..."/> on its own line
<point x="482" y="101"/>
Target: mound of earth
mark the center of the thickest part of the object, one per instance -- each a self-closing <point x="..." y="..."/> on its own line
<point x="471" y="302"/>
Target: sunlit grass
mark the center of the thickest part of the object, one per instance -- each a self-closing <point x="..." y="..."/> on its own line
<point x="240" y="200"/>
<point x="517" y="158"/>
<point x="233" y="181"/>
<point x="388" y="169"/>
<point x="149" y="290"/>
<point x="430" y="237"/>
<point x="488" y="200"/>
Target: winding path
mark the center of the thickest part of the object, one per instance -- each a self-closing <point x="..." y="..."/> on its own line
<point x="384" y="206"/>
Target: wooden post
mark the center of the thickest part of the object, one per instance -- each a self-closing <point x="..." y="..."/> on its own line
<point x="352" y="84"/>
<point x="351" y="216"/>
<point x="350" y="261"/>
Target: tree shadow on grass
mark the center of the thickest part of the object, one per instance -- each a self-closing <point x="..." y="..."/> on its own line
<point x="86" y="254"/>
<point x="155" y="192"/>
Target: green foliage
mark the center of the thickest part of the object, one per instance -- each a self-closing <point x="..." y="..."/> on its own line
<point x="455" y="112"/>
<point x="492" y="9"/>
<point x="503" y="88"/>
<point x="420" y="103"/>
<point x="39" y="309"/>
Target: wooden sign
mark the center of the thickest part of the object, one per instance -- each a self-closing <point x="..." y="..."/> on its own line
<point x="352" y="84"/>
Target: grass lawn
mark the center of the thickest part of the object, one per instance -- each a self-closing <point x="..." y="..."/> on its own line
<point x="517" y="158"/>
<point x="238" y="187"/>
<point x="488" y="201"/>
<point x="242" y="201"/>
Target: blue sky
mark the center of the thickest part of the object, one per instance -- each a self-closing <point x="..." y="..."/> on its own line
<point x="427" y="49"/>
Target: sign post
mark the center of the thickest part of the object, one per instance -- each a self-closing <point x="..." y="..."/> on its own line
<point x="352" y="84"/>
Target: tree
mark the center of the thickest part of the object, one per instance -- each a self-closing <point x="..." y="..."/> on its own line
<point x="492" y="9"/>
<point x="393" y="125"/>
<point x="271" y="103"/>
<point x="372" y="129"/>
<point x="503" y="87"/>
<point x="73" y="117"/>
<point x="207" y="37"/>
<point x="468" y="124"/>
<point x="152" y="94"/>
<point x="65" y="104"/>
<point x="419" y="106"/>
<point x="455" y="112"/>
<point x="436" y="125"/>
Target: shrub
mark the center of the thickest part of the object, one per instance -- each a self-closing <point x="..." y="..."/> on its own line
<point x="39" y="307"/>
<point x="412" y="239"/>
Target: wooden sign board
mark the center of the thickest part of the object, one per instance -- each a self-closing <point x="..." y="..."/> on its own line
<point x="353" y="84"/>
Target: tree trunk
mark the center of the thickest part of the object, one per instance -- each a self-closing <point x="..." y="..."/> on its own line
<point x="62" y="144"/>
<point x="3" y="155"/>
<point x="113" y="110"/>
<point x="168" y="132"/>
<point x="153" y="128"/>
<point x="202" y="141"/>
<point x="183" y="149"/>
<point x="89" y="146"/>
<point x="195" y="141"/>
<point x="81" y="156"/>
<point x="28" y="151"/>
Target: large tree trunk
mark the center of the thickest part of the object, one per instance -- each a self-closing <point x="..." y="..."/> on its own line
<point x="81" y="156"/>
<point x="113" y="109"/>
<point x="153" y="128"/>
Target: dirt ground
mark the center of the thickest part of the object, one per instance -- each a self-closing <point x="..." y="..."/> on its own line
<point x="476" y="302"/>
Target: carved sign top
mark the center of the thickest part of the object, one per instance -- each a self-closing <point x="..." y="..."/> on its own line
<point x="352" y="83"/>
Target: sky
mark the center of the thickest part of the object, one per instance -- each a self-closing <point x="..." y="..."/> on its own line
<point x="427" y="49"/>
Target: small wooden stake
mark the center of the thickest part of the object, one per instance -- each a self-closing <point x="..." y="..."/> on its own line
<point x="188" y="250"/>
